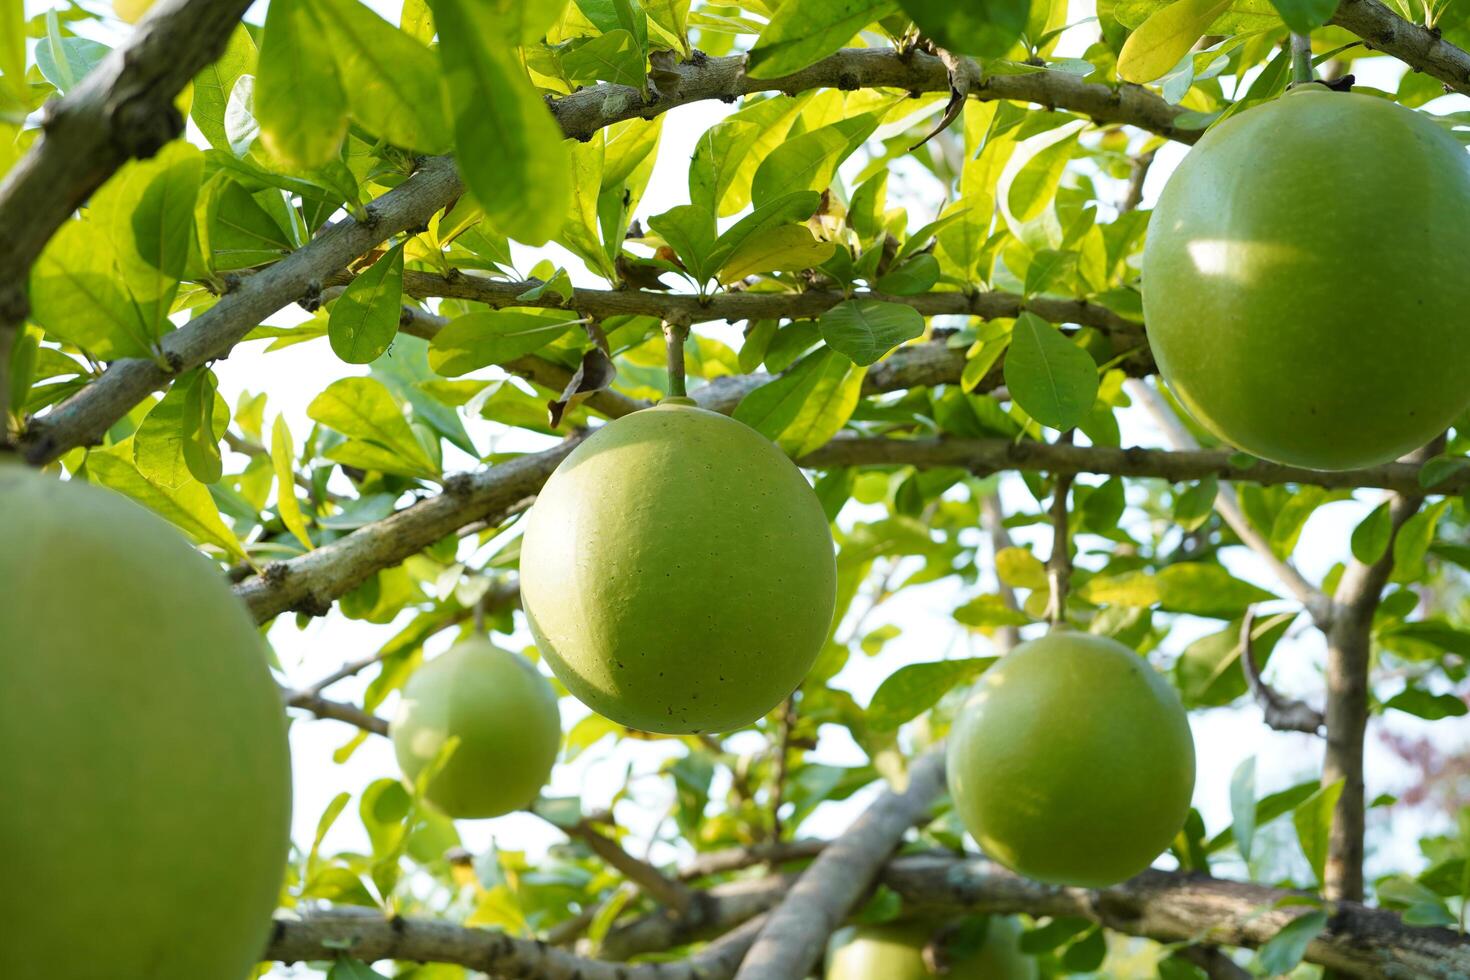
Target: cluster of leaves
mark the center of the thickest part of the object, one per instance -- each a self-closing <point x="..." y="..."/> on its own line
<point x="818" y="190"/>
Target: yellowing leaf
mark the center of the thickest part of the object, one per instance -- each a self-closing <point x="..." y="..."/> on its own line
<point x="780" y="249"/>
<point x="282" y="454"/>
<point x="1165" y="37"/>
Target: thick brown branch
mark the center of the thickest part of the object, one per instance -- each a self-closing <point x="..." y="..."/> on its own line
<point x="826" y="892"/>
<point x="582" y="113"/>
<point x="1165" y="906"/>
<point x="123" y="108"/>
<point x="1349" y="651"/>
<point x="1416" y="46"/>
<point x="328" y="936"/>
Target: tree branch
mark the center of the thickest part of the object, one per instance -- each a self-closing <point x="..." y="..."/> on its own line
<point x="826" y="892"/>
<point x="735" y="307"/>
<point x="123" y="108"/>
<point x="1059" y="562"/>
<point x="329" y="936"/>
<point x="1349" y="650"/>
<point x="701" y="77"/>
<point x="1421" y="48"/>
<point x="739" y="858"/>
<point x="654" y="883"/>
<point x="994" y="520"/>
<point x="1313" y="599"/>
<point x="335" y="711"/>
<point x="1168" y="907"/>
<point x="82" y="419"/>
<point x="1279" y="712"/>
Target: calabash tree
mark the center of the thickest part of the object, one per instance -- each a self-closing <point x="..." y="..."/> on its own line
<point x="918" y="331"/>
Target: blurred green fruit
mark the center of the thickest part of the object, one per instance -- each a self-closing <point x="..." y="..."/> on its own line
<point x="1072" y="761"/>
<point x="505" y="716"/>
<point x="677" y="572"/>
<point x="1303" y="280"/>
<point x="146" y="777"/>
<point x="895" y="951"/>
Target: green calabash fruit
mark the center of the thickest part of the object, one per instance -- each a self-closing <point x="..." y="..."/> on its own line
<point x="677" y="572"/>
<point x="895" y="951"/>
<point x="1072" y="762"/>
<point x="1304" y="280"/>
<point x="145" y="776"/>
<point x="504" y="714"/>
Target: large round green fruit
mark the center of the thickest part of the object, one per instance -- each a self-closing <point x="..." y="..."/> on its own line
<point x="504" y="714"/>
<point x="1072" y="761"/>
<point x="896" y="952"/>
<point x="144" y="771"/>
<point x="677" y="572"/>
<point x="1304" y="283"/>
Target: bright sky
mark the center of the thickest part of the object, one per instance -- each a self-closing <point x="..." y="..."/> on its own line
<point x="1223" y="738"/>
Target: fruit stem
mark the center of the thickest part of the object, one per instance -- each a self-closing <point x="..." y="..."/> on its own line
<point x="674" y="336"/>
<point x="1301" y="59"/>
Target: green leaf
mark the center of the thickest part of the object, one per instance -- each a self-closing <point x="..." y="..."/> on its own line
<point x="810" y="160"/>
<point x="1051" y="378"/>
<point x="242" y="233"/>
<point x="917" y="275"/>
<point x="1431" y="707"/>
<point x="509" y="148"/>
<point x="363" y="409"/>
<point x="1195" y="505"/>
<point x="203" y="427"/>
<point x="1165" y="37"/>
<point x="1030" y="180"/>
<point x="1208" y="673"/>
<point x="1048" y="266"/>
<point x="689" y="229"/>
<point x="804" y="31"/>
<point x="1313" y="821"/>
<point x="1305" y="16"/>
<point x="612" y="57"/>
<point x="159" y="445"/>
<point x="981" y="28"/>
<point x="1412" y="542"/>
<point x="475" y="340"/>
<point x="163" y="223"/>
<point x="295" y="58"/>
<point x="805" y="407"/>
<point x="364" y="319"/>
<point x="391" y="80"/>
<point x="78" y="296"/>
<point x="1206" y="589"/>
<point x="13" y="50"/>
<point x="1243" y="805"/>
<point x="866" y="329"/>
<point x="282" y="458"/>
<point x="215" y="82"/>
<point x="1282" y="952"/>
<point x="915" y="688"/>
<point x="189" y="506"/>
<point x="1371" y="536"/>
<point x="65" y="61"/>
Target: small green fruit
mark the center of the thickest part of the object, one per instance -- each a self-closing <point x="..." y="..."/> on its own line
<point x="504" y="714"/>
<point x="895" y="951"/>
<point x="1304" y="283"/>
<point x="1072" y="762"/>
<point x="145" y="771"/>
<point x="677" y="572"/>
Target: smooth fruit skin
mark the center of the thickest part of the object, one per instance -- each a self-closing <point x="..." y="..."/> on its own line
<point x="895" y="951"/>
<point x="505" y="716"/>
<point x="1072" y="762"/>
<point x="1304" y="283"/>
<point x="677" y="572"/>
<point x="143" y="759"/>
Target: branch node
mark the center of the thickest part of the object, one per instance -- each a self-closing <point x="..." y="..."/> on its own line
<point x="459" y="484"/>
